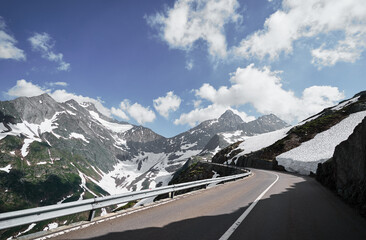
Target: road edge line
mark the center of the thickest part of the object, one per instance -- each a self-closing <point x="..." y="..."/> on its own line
<point x="236" y="224"/>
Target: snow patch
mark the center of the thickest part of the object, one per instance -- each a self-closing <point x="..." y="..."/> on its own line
<point x="78" y="136"/>
<point x="214" y="176"/>
<point x="70" y="105"/>
<point x="305" y="158"/>
<point x="30" y="227"/>
<point x="116" y="146"/>
<point x="49" y="125"/>
<point x="70" y="112"/>
<point x="83" y="183"/>
<point x="213" y="122"/>
<point x="50" y="226"/>
<point x="104" y="212"/>
<point x="255" y="143"/>
<point x="345" y="103"/>
<point x="98" y="171"/>
<point x="186" y="154"/>
<point x="150" y="166"/>
<point x="31" y="130"/>
<point x="217" y="149"/>
<point x="233" y="137"/>
<point x="64" y="199"/>
<point x="188" y="146"/>
<point x="115" y="127"/>
<point x="6" y="169"/>
<point x="127" y="171"/>
<point x="25" y="146"/>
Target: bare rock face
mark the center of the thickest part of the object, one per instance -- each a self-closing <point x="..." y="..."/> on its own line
<point x="36" y="109"/>
<point x="350" y="158"/>
<point x="345" y="173"/>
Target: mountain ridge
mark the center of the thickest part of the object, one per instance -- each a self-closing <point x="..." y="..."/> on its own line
<point x="40" y="137"/>
<point x="286" y="149"/>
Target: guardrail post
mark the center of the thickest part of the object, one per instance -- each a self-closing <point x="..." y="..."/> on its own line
<point x="171" y="195"/>
<point x="91" y="215"/>
<point x="92" y="212"/>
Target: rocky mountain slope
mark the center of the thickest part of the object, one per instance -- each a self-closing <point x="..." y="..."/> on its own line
<point x="302" y="147"/>
<point x="232" y="131"/>
<point x="345" y="172"/>
<point x="44" y="143"/>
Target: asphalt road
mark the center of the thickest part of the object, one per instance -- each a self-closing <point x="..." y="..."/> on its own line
<point x="295" y="207"/>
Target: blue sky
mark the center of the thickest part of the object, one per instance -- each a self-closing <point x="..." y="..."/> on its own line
<point x="169" y="65"/>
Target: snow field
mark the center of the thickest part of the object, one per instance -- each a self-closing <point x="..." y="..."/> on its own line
<point x="115" y="127"/>
<point x="305" y="158"/>
<point x="255" y="143"/>
<point x="78" y="136"/>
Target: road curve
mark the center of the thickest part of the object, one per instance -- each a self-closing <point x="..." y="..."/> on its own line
<point x="295" y="207"/>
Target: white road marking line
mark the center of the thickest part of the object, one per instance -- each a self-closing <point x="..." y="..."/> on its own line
<point x="236" y="224"/>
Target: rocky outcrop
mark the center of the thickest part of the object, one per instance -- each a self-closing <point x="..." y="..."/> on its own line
<point x="194" y="170"/>
<point x="345" y="172"/>
<point x="31" y="109"/>
<point x="266" y="123"/>
<point x="227" y="153"/>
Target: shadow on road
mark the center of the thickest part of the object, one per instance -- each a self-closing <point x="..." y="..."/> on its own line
<point x="306" y="210"/>
<point x="208" y="227"/>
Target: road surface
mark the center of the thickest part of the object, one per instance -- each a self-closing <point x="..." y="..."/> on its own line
<point x="295" y="207"/>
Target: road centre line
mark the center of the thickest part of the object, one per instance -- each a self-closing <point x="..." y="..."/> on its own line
<point x="236" y="224"/>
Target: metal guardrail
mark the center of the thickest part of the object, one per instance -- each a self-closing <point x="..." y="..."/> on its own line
<point x="27" y="216"/>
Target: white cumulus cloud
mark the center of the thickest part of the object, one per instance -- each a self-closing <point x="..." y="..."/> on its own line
<point x="62" y="84"/>
<point x="25" y="89"/>
<point x="43" y="43"/>
<point x="191" y="20"/>
<point x="138" y="112"/>
<point x="119" y="113"/>
<point x="167" y="104"/>
<point x="262" y="88"/>
<point x="311" y="19"/>
<point x="8" y="50"/>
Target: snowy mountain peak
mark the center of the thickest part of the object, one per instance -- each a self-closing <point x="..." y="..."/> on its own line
<point x="231" y="116"/>
<point x="73" y="140"/>
<point x="31" y="109"/>
<point x="41" y="99"/>
<point x="300" y="148"/>
<point x="140" y="134"/>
